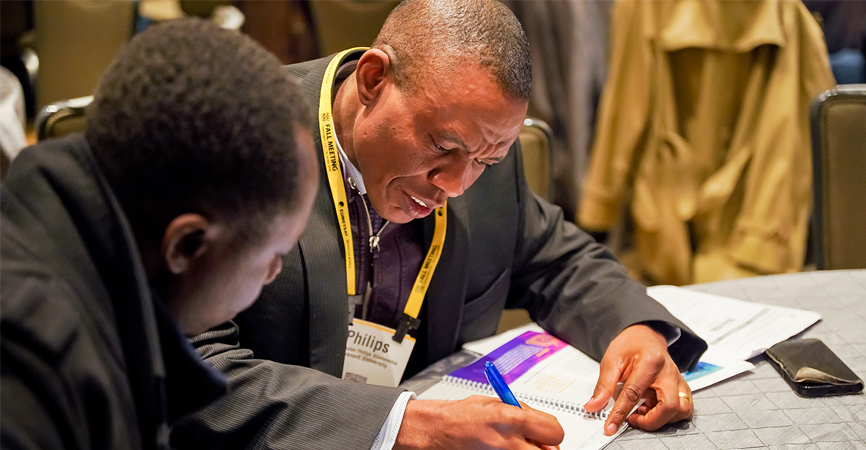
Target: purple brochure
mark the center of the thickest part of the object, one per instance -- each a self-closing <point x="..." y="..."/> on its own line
<point x="514" y="358"/>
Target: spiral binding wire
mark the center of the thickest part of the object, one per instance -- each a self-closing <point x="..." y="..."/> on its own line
<point x="553" y="403"/>
<point x="562" y="405"/>
<point x="474" y="385"/>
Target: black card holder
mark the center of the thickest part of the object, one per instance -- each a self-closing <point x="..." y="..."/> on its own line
<point x="812" y="369"/>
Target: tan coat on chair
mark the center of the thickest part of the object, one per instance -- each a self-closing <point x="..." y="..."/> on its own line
<point x="705" y="115"/>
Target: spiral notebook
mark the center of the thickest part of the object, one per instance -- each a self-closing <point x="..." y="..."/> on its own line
<point x="545" y="373"/>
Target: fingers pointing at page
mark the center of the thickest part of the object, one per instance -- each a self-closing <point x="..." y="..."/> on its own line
<point x="639" y="359"/>
<point x="670" y="406"/>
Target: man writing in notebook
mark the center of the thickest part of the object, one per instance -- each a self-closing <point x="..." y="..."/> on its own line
<point x="423" y="231"/>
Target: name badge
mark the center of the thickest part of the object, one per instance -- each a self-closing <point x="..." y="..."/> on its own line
<point x="373" y="357"/>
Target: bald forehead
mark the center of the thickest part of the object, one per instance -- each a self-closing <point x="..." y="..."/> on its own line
<point x="424" y="38"/>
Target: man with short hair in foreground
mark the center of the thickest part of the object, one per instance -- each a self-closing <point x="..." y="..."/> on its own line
<point x="430" y="114"/>
<point x="195" y="175"/>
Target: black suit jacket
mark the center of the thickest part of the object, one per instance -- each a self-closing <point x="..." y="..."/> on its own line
<point x="505" y="248"/>
<point x="90" y="358"/>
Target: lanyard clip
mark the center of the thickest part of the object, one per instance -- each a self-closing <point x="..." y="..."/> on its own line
<point x="407" y="323"/>
<point x="354" y="300"/>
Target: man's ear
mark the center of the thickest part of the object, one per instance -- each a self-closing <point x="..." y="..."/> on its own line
<point x="372" y="74"/>
<point x="186" y="237"/>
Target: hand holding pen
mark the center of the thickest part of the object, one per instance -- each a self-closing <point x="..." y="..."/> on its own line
<point x="504" y="392"/>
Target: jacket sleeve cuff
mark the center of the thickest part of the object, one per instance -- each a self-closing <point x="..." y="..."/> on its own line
<point x="387" y="436"/>
<point x="670" y="332"/>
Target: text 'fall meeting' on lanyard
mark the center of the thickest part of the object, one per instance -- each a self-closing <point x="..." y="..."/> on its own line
<point x="338" y="193"/>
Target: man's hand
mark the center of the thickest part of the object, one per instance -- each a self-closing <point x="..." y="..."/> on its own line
<point x="477" y="422"/>
<point x="639" y="358"/>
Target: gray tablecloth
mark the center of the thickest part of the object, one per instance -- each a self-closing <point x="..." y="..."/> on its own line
<point x="758" y="409"/>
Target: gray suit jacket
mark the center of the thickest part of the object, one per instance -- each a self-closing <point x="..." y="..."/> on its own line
<point x="505" y="248"/>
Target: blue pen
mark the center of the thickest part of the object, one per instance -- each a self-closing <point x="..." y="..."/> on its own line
<point x="499" y="384"/>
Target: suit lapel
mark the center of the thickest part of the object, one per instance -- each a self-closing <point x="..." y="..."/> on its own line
<point x="443" y="307"/>
<point x="321" y="252"/>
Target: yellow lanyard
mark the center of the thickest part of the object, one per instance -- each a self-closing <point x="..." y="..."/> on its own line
<point x="341" y="205"/>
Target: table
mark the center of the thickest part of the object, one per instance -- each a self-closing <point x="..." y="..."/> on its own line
<point x="758" y="409"/>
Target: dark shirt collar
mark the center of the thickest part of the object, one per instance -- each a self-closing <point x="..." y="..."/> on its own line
<point x="190" y="383"/>
<point x="345" y="70"/>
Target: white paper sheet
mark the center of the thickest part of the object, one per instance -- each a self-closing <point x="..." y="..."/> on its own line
<point x="713" y="369"/>
<point x="733" y="328"/>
